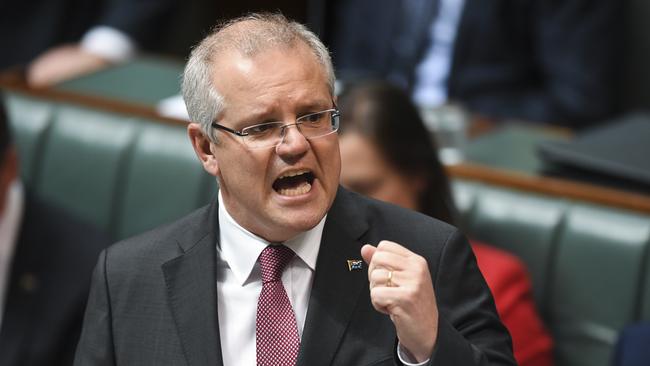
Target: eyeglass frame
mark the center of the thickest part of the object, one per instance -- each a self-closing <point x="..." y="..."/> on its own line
<point x="336" y="113"/>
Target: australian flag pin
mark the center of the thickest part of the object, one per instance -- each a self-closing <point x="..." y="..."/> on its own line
<point x="355" y="264"/>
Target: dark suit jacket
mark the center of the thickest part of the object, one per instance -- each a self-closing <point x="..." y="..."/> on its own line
<point x="28" y="28"/>
<point x="632" y="346"/>
<point x="48" y="287"/>
<point x="536" y="60"/>
<point x="153" y="300"/>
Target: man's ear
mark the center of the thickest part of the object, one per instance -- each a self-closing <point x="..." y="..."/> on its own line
<point x="203" y="148"/>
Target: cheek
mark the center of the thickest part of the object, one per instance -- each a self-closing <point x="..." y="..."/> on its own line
<point x="242" y="170"/>
<point x="397" y="192"/>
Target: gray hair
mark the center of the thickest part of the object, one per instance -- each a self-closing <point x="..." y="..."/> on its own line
<point x="248" y="35"/>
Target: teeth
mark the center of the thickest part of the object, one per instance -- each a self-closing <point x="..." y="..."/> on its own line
<point x="293" y="174"/>
<point x="302" y="189"/>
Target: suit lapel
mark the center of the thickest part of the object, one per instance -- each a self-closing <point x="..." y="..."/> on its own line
<point x="336" y="288"/>
<point x="191" y="290"/>
<point x="191" y="287"/>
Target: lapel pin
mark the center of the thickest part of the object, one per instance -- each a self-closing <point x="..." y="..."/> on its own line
<point x="355" y="264"/>
<point x="28" y="282"/>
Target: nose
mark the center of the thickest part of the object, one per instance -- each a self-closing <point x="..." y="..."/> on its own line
<point x="294" y="143"/>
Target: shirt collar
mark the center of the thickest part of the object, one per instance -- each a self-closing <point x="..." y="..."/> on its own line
<point x="240" y="248"/>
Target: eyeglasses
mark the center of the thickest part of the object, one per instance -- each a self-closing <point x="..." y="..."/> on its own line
<point x="271" y="134"/>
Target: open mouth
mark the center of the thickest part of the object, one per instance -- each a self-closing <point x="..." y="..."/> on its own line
<point x="294" y="183"/>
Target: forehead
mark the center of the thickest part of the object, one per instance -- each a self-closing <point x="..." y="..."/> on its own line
<point x="284" y="75"/>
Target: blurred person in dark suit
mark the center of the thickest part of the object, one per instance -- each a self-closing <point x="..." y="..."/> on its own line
<point x="46" y="258"/>
<point x="388" y="154"/>
<point x="534" y="60"/>
<point x="60" y="39"/>
<point x="632" y="346"/>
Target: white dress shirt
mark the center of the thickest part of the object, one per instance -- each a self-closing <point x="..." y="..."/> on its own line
<point x="10" y="219"/>
<point x="431" y="74"/>
<point x="239" y="283"/>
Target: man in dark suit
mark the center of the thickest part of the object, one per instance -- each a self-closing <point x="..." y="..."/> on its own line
<point x="272" y="272"/>
<point x="64" y="38"/>
<point x="535" y="60"/>
<point x="46" y="259"/>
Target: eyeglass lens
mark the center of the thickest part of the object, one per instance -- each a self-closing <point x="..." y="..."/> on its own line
<point x="311" y="126"/>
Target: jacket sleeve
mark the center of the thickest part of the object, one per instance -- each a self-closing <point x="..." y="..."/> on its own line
<point x="469" y="329"/>
<point x="95" y="346"/>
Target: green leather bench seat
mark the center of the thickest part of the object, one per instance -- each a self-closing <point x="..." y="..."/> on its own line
<point x="165" y="176"/>
<point x="29" y="118"/>
<point x="82" y="163"/>
<point x="589" y="264"/>
<point x="123" y="174"/>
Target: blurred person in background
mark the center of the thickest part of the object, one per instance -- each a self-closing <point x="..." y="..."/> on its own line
<point x="46" y="259"/>
<point x="60" y="39"/>
<point x="532" y="60"/>
<point x="387" y="154"/>
<point x="632" y="346"/>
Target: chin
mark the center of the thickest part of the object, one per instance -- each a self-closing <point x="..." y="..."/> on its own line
<point x="297" y="223"/>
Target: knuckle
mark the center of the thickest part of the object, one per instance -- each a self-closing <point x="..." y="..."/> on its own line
<point x="380" y="257"/>
<point x="420" y="261"/>
<point x="419" y="264"/>
<point x="374" y="277"/>
<point x="382" y="245"/>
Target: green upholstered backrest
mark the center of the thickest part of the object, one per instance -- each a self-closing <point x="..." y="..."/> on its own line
<point x="516" y="220"/>
<point x="163" y="179"/>
<point x="599" y="263"/>
<point x="30" y="120"/>
<point x="142" y="81"/>
<point x="123" y="174"/>
<point x="82" y="162"/>
<point x="589" y="265"/>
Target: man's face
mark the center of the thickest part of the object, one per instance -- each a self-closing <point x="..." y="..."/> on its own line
<point x="274" y="192"/>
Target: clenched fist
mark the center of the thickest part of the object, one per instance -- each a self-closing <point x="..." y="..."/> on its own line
<point x="400" y="286"/>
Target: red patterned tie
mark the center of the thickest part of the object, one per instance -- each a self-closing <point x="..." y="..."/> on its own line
<point x="277" y="338"/>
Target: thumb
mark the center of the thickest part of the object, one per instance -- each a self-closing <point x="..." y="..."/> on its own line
<point x="367" y="251"/>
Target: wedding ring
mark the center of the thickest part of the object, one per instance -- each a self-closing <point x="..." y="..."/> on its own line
<point x="389" y="282"/>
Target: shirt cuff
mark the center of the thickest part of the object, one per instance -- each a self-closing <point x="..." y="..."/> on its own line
<point x="108" y="43"/>
<point x="407" y="359"/>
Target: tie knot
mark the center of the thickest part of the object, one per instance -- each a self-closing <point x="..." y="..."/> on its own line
<point x="273" y="260"/>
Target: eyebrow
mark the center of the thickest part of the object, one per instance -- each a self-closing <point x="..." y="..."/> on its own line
<point x="309" y="107"/>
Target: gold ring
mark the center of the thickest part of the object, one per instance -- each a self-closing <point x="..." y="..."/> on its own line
<point x="389" y="282"/>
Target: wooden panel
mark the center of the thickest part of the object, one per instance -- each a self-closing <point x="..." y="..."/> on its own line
<point x="552" y="186"/>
